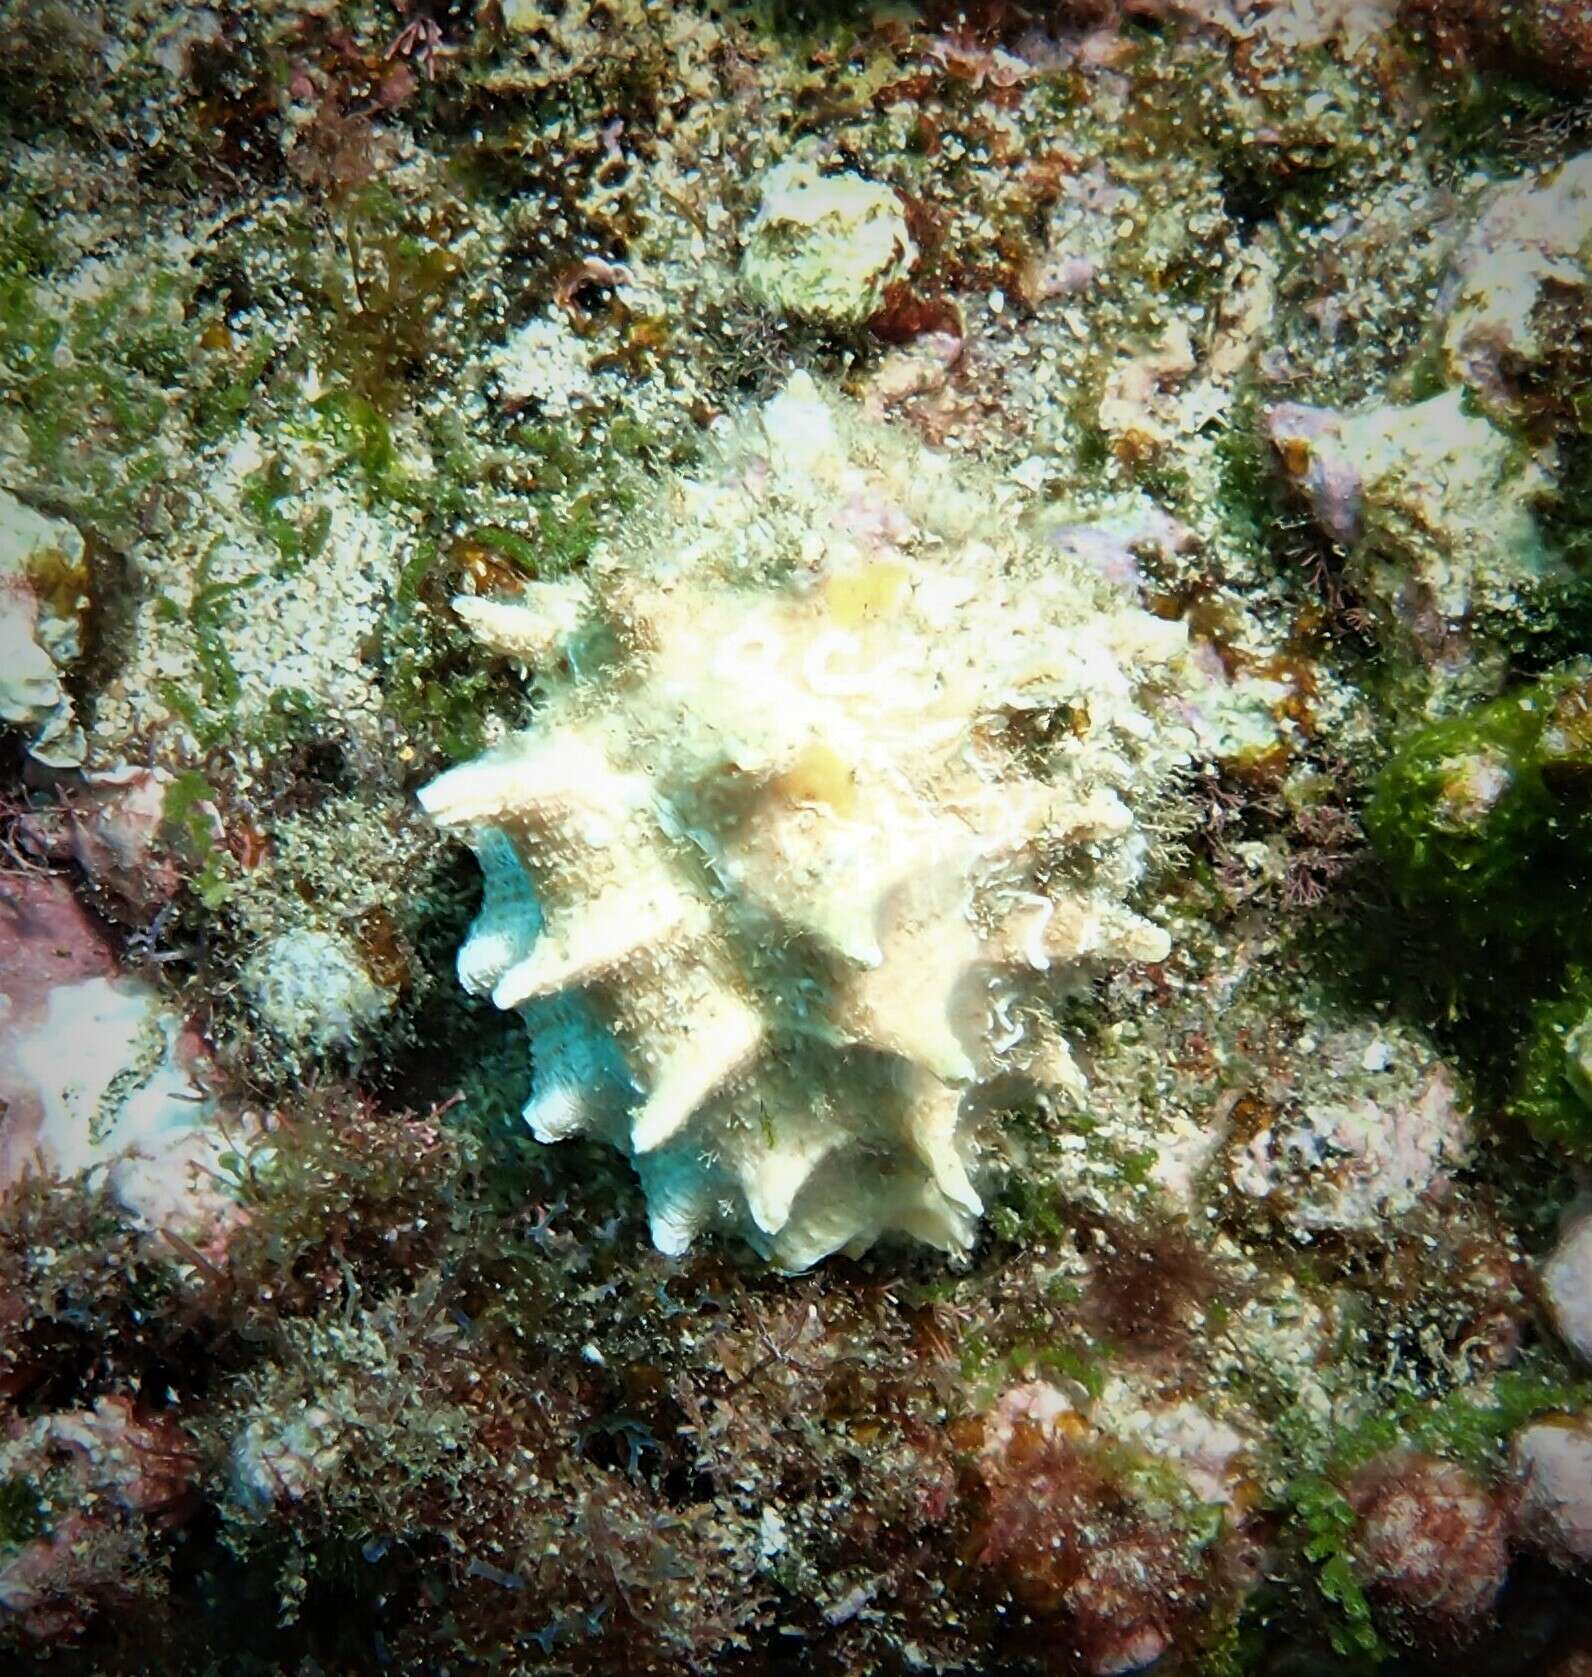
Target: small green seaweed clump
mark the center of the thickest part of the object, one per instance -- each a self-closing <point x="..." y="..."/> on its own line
<point x="1554" y="1094"/>
<point x="1485" y="824"/>
<point x="1486" y="815"/>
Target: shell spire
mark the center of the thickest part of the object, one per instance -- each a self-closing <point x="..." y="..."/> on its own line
<point x="836" y="809"/>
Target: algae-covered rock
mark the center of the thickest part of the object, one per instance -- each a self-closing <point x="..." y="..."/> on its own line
<point x="1484" y="825"/>
<point x="43" y="593"/>
<point x="825" y="247"/>
<point x="285" y="1458"/>
<point x="1435" y="507"/>
<point x="1550" y="40"/>
<point x="1480" y="813"/>
<point x="312" y="989"/>
<point x="1431" y="1543"/>
<point x="1517" y="302"/>
<point x="523" y="15"/>
<point x="271" y="594"/>
<point x="1116" y="1589"/>
<point x="1377" y="1125"/>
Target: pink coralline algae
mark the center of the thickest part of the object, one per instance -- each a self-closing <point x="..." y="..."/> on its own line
<point x="1084" y="1536"/>
<point x="97" y="1075"/>
<point x="1432" y="1543"/>
<point x="140" y="1463"/>
<point x="47" y="938"/>
<point x="1552" y="1459"/>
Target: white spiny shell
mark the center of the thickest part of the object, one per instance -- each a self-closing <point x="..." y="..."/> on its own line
<point x="830" y="798"/>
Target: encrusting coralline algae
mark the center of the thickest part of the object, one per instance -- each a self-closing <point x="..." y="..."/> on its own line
<point x="828" y="802"/>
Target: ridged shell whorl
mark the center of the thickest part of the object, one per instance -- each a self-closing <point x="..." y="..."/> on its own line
<point x="829" y="799"/>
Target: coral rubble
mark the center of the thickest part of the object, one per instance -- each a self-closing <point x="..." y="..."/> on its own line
<point x="42" y="578"/>
<point x="826" y="246"/>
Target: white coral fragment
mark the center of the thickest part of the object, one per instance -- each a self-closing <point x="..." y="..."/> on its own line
<point x="43" y="583"/>
<point x="825" y="247"/>
<point x="313" y="990"/>
<point x="834" y="805"/>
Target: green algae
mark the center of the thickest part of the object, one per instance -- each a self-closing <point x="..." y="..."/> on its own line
<point x="1486" y="120"/>
<point x="1546" y="1096"/>
<point x="1464" y="816"/>
<point x="105" y="387"/>
<point x="1460" y="1426"/>
<point x="1467" y="1425"/>
<point x="21" y="1512"/>
<point x="298" y="541"/>
<point x="385" y="327"/>
<point x="1484" y="824"/>
<point x="188" y="822"/>
<point x="355" y="426"/>
<point x="1327" y="1524"/>
<point x="436" y="694"/>
<point x="86" y="391"/>
<point x="234" y="386"/>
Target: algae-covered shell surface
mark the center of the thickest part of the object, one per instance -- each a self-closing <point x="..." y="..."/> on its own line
<point x="829" y="799"/>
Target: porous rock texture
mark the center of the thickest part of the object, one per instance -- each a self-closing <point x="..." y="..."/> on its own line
<point x="833" y="794"/>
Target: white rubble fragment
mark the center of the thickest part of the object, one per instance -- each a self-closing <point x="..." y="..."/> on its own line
<point x="104" y="1064"/>
<point x="312" y="989"/>
<point x="825" y="247"/>
<point x="771" y="1538"/>
<point x="39" y="634"/>
<point x="1552" y="1459"/>
<point x="1567" y="1285"/>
